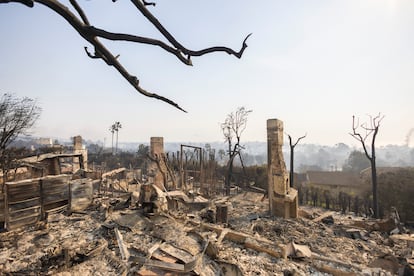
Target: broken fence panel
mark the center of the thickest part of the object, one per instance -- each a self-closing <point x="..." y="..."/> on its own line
<point x="27" y="202"/>
<point x="22" y="203"/>
<point x="81" y="194"/>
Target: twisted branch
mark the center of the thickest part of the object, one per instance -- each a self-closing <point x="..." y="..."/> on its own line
<point x="157" y="24"/>
<point x="139" y="39"/>
<point x="297" y="141"/>
<point x="80" y="11"/>
<point x="372" y="129"/>
<point x="28" y="3"/>
<point x="91" y="34"/>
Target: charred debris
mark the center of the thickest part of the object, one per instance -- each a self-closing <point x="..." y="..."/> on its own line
<point x="68" y="220"/>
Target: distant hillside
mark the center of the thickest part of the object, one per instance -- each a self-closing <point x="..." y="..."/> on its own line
<point x="307" y="156"/>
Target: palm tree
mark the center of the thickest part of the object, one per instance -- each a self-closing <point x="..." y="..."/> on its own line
<point x="116" y="126"/>
<point x="112" y="130"/>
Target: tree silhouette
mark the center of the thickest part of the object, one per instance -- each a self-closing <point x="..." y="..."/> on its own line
<point x="17" y="116"/>
<point x="292" y="153"/>
<point x="371" y="130"/>
<point x="112" y="130"/>
<point x="118" y="126"/>
<point x="93" y="35"/>
<point x="115" y="127"/>
<point x="232" y="128"/>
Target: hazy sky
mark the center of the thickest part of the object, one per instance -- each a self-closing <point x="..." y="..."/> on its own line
<point x="312" y="64"/>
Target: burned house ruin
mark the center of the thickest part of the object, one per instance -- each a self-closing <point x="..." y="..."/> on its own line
<point x="175" y="221"/>
<point x="283" y="200"/>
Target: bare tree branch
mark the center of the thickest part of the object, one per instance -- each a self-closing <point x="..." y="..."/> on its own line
<point x="233" y="127"/>
<point x="148" y="3"/>
<point x="358" y="136"/>
<point x="157" y="24"/>
<point x="292" y="154"/>
<point x="91" y="34"/>
<point x="17" y="116"/>
<point x="28" y="3"/>
<point x="219" y="49"/>
<point x="139" y="39"/>
<point x="371" y="130"/>
<point x="96" y="55"/>
<point x="80" y="11"/>
<point x="297" y="141"/>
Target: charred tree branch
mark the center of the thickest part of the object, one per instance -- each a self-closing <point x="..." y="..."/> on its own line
<point x="80" y="11"/>
<point x="371" y="130"/>
<point x="90" y="55"/>
<point x="100" y="50"/>
<point x="139" y="39"/>
<point x="157" y="24"/>
<point x="148" y="3"/>
<point x="292" y="154"/>
<point x="219" y="49"/>
<point x="91" y="34"/>
<point x="28" y="3"/>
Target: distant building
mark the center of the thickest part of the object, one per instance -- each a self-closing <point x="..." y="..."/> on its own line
<point x="366" y="173"/>
<point x="44" y="141"/>
<point x="52" y="163"/>
<point x="45" y="164"/>
<point x="335" y="182"/>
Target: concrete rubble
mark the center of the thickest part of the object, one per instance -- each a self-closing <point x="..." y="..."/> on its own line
<point x="101" y="240"/>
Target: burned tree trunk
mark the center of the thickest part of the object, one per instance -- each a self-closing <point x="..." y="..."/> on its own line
<point x="292" y="154"/>
<point x="370" y="130"/>
<point x="232" y="128"/>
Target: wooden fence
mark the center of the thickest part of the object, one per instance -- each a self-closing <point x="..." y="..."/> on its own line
<point x="29" y="201"/>
<point x="22" y="203"/>
<point x="81" y="194"/>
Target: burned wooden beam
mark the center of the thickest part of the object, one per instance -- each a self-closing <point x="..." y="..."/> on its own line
<point x="122" y="247"/>
<point x="158" y="264"/>
<point x="256" y="243"/>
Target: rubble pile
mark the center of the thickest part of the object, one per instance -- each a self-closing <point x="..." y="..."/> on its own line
<point x="112" y="238"/>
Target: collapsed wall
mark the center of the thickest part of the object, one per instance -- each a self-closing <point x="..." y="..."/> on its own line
<point x="283" y="199"/>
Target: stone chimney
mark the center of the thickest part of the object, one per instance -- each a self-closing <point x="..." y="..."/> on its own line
<point x="78" y="148"/>
<point x="283" y="200"/>
<point x="157" y="153"/>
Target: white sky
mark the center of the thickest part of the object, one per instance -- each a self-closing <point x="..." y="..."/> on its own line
<point x="312" y="64"/>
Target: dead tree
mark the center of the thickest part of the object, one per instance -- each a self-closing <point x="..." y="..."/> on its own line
<point x="93" y="35"/>
<point x="17" y="116"/>
<point x="232" y="128"/>
<point x="371" y="130"/>
<point x="292" y="153"/>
